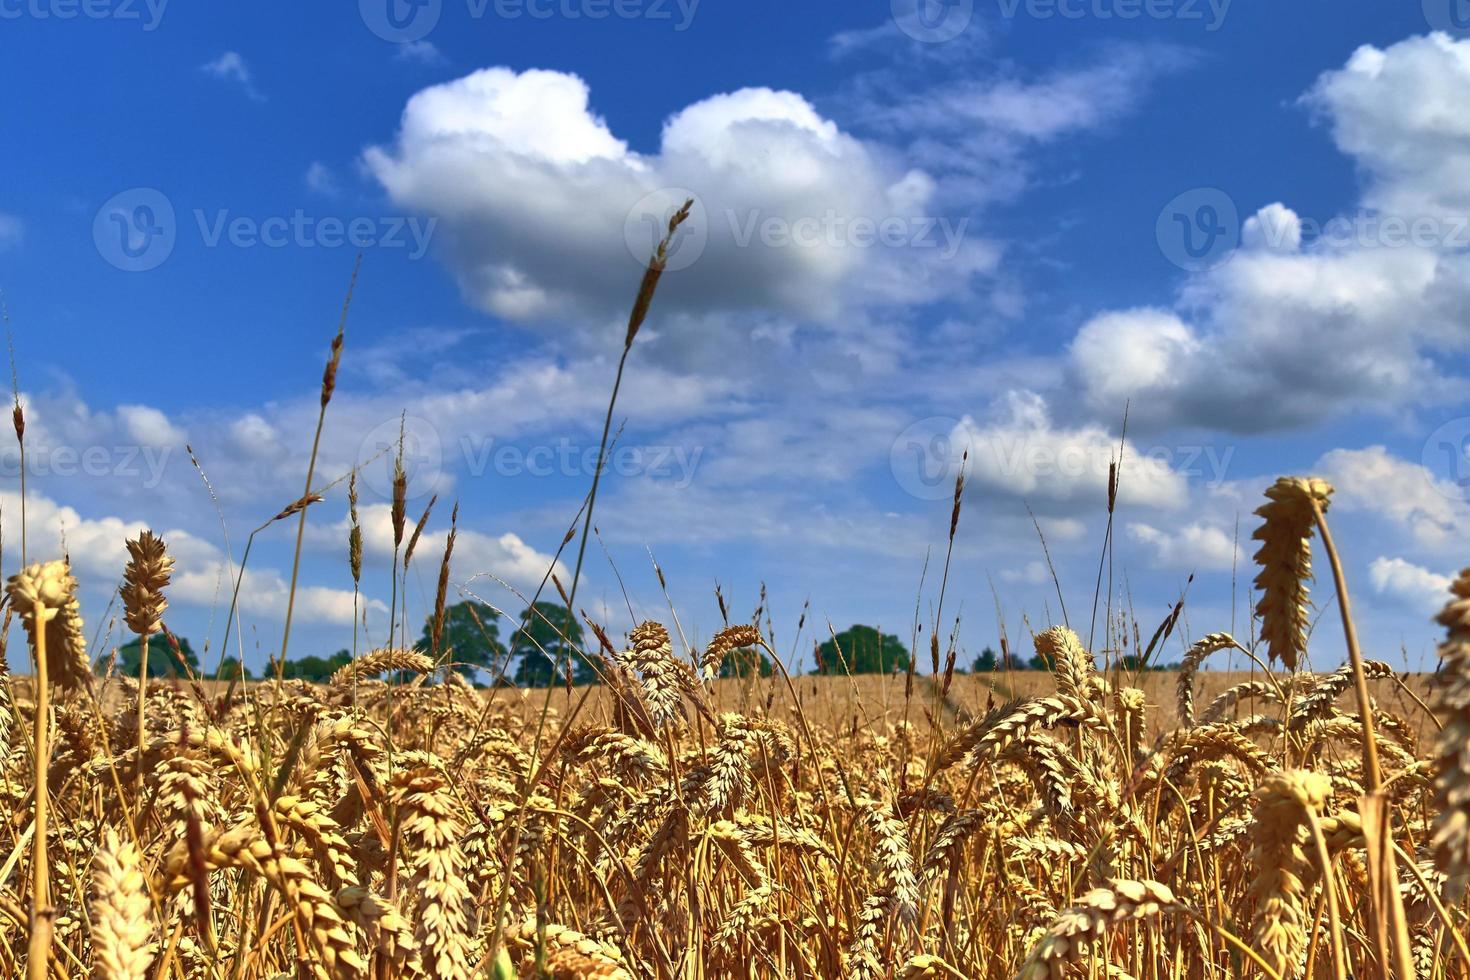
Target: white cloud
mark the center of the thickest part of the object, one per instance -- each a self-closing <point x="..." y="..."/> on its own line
<point x="231" y="67"/>
<point x="1017" y="451"/>
<point x="1191" y="547"/>
<point x="321" y="179"/>
<point x="1417" y="586"/>
<point x="420" y="52"/>
<point x="1376" y="481"/>
<point x="12" y="230"/>
<point x="547" y="213"/>
<point x="1124" y="354"/>
<point x="1032" y="573"/>
<point x="1296" y="328"/>
<point x="506" y="556"/>
<point x="1399" y="111"/>
<point x="149" y="426"/>
<point x="98" y="553"/>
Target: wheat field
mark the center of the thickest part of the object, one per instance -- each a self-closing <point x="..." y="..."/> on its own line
<point x="1091" y="821"/>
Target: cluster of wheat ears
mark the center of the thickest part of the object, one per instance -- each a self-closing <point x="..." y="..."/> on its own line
<point x="397" y="822"/>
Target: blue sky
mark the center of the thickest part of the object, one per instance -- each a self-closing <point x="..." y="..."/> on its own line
<point x="917" y="232"/>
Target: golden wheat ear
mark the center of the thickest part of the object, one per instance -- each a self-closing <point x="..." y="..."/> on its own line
<point x="1452" y="704"/>
<point x="147" y="574"/>
<point x="45" y="596"/>
<point x="1285" y="558"/>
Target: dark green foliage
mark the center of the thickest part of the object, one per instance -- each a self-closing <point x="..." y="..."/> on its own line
<point x="316" y="669"/>
<point x="986" y="662"/>
<point x="746" y="662"/>
<point x="862" y="650"/>
<point x="471" y="638"/>
<point x="161" y="662"/>
<point x="547" y="637"/>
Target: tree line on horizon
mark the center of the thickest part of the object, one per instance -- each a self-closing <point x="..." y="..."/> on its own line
<point x="548" y="642"/>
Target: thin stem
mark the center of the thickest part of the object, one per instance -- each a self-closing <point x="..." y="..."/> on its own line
<point x="142" y="697"/>
<point x="40" y="944"/>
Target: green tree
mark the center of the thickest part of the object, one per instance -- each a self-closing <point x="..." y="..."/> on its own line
<point x="232" y="669"/>
<point x="316" y="669"/>
<point x="986" y="662"/>
<point x="471" y="638"/>
<point x="161" y="662"/>
<point x="862" y="650"/>
<point x="746" y="662"/>
<point x="547" y="636"/>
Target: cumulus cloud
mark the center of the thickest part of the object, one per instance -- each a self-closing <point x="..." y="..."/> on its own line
<point x="1195" y="546"/>
<point x="1018" y="451"/>
<point x="1376" y="481"/>
<point x="202" y="577"/>
<point x="1399" y="111"/>
<point x="505" y="557"/>
<point x="548" y="214"/>
<point x="1409" y="583"/>
<point x="1308" y="320"/>
<point x="231" y="67"/>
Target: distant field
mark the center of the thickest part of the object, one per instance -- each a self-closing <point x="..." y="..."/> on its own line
<point x="837" y="702"/>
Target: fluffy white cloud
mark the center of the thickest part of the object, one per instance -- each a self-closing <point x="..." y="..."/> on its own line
<point x="1191" y="547"/>
<point x="1124" y="354"/>
<point x="1019" y="452"/>
<point x="1302" y="325"/>
<point x="1410" y="583"/>
<point x="1399" y="111"/>
<point x="546" y="213"/>
<point x="505" y="557"/>
<point x="98" y="553"/>
<point x="1376" y="481"/>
